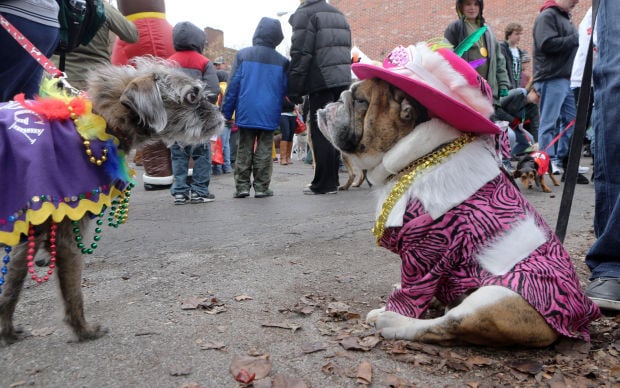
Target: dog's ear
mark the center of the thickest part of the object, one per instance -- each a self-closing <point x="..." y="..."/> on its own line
<point x="143" y="98"/>
<point x="516" y="173"/>
<point x="410" y="110"/>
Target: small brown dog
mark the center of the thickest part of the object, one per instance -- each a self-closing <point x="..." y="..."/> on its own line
<point x="531" y="170"/>
<point x="149" y="101"/>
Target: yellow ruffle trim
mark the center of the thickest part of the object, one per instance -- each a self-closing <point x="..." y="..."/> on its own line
<point x="48" y="209"/>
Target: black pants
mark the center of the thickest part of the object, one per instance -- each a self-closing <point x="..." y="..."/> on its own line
<point x="326" y="157"/>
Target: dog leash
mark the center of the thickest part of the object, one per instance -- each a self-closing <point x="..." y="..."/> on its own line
<point x="574" y="151"/>
<point x="555" y="139"/>
<point x="37" y="55"/>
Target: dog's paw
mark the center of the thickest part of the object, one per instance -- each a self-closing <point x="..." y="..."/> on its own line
<point x="371" y="317"/>
<point x="392" y="325"/>
<point x="91" y="332"/>
<point x="12" y="335"/>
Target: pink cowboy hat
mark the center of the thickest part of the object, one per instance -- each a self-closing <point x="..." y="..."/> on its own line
<point x="441" y="81"/>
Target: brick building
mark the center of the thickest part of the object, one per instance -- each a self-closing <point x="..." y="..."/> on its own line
<point x="379" y="26"/>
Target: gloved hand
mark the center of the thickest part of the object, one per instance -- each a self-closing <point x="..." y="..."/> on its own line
<point x="503" y="92"/>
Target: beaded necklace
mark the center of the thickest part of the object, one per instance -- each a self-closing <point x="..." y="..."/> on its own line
<point x="407" y="176"/>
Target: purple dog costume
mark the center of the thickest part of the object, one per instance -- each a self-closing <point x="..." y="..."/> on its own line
<point x="46" y="173"/>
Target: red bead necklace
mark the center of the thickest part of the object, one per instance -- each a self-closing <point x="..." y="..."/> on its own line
<point x="31" y="252"/>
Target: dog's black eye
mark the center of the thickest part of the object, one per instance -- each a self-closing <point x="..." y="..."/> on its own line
<point x="191" y="97"/>
<point x="360" y="103"/>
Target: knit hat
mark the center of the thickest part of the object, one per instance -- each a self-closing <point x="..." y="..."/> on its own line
<point x="441" y="81"/>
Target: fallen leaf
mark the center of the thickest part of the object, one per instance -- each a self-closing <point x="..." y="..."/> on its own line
<point x="311" y="300"/>
<point x="573" y="347"/>
<point x="191" y="303"/>
<point x="43" y="332"/>
<point x="364" y="373"/>
<point x="340" y="311"/>
<point x="370" y="341"/>
<point x="284" y="325"/>
<point x="258" y="367"/>
<point x="313" y="347"/>
<point x="243" y="297"/>
<point x="353" y="343"/>
<point x="180" y="370"/>
<point x="209" y="345"/>
<point x="191" y="385"/>
<point x="479" y="361"/>
<point x="397" y="382"/>
<point x="531" y="367"/>
<point x="216" y="310"/>
<point x="281" y="381"/>
<point x="245" y="377"/>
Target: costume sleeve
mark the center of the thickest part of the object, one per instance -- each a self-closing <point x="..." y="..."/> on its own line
<point x="119" y="25"/>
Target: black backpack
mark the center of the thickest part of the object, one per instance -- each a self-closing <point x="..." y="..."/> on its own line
<point x="79" y="22"/>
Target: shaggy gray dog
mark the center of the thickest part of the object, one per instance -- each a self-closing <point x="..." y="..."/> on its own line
<point x="148" y="101"/>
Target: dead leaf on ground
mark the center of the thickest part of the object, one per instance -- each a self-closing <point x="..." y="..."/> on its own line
<point x="298" y="309"/>
<point x="240" y="298"/>
<point x="43" y="332"/>
<point x="260" y="367"/>
<point x="216" y="310"/>
<point x="337" y="370"/>
<point x="283" y="325"/>
<point x="354" y="343"/>
<point x="397" y="382"/>
<point x="180" y="370"/>
<point x="364" y="373"/>
<point x="212" y="345"/>
<point x="531" y="367"/>
<point x="194" y="302"/>
<point x="340" y="311"/>
<point x="312" y="300"/>
<point x="313" y="347"/>
<point x="282" y="381"/>
<point x="572" y="347"/>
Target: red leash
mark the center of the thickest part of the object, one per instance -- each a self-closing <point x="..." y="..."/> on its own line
<point x="560" y="134"/>
<point x="30" y="48"/>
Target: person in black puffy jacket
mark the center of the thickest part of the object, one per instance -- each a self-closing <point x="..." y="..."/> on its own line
<point x="320" y="68"/>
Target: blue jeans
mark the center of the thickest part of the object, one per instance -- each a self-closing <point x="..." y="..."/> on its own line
<point x="557" y="109"/>
<point x="201" y="175"/>
<point x="604" y="255"/>
<point x="19" y="72"/>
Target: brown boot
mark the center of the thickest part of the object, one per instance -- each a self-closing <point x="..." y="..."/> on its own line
<point x="284" y="152"/>
<point x="289" y="153"/>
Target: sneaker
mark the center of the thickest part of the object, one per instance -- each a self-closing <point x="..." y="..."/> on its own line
<point x="201" y="198"/>
<point x="241" y="194"/>
<point x="263" y="194"/>
<point x="309" y="191"/>
<point x="556" y="169"/>
<point x="581" y="179"/>
<point x="605" y="292"/>
<point x="180" y="199"/>
<point x="583" y="169"/>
